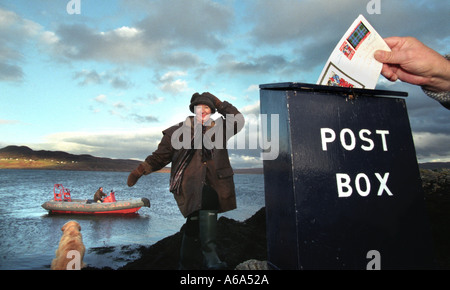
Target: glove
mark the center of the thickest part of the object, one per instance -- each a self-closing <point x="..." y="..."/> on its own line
<point x="217" y="103"/>
<point x="143" y="169"/>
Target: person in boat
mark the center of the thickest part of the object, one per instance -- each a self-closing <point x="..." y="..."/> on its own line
<point x="201" y="178"/>
<point x="99" y="194"/>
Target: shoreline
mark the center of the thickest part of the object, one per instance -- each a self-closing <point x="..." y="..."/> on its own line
<point x="69" y="168"/>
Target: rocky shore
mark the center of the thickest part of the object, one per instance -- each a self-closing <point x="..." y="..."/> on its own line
<point x="246" y="241"/>
<point x="436" y="185"/>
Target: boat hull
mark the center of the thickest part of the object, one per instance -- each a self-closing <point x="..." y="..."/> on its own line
<point x="85" y="207"/>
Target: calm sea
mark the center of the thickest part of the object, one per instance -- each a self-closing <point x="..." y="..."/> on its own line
<point x="29" y="236"/>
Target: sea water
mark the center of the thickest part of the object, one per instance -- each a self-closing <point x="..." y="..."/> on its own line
<point x="29" y="236"/>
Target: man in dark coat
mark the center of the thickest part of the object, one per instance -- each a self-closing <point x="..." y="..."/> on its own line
<point x="201" y="175"/>
<point x="99" y="194"/>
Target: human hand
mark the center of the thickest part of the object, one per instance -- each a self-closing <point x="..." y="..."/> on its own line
<point x="413" y="62"/>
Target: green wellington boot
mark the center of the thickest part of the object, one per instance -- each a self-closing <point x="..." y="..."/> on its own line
<point x="189" y="252"/>
<point x="208" y="234"/>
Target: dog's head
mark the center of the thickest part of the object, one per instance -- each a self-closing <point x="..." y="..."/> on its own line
<point x="71" y="224"/>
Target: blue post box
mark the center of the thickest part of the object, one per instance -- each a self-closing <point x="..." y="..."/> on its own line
<point x="345" y="190"/>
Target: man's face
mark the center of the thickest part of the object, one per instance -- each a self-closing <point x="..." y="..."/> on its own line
<point x="202" y="113"/>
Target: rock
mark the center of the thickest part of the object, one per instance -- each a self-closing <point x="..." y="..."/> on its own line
<point x="236" y="242"/>
<point x="253" y="265"/>
<point x="435" y="181"/>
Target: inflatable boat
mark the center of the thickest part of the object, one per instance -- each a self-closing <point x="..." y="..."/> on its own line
<point x="63" y="203"/>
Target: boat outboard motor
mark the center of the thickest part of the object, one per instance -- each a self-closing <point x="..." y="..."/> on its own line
<point x="146" y="201"/>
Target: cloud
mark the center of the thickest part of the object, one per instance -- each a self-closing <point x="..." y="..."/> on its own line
<point x="92" y="77"/>
<point x="100" y="98"/>
<point x="170" y="83"/>
<point x="11" y="72"/>
<point x="253" y="109"/>
<point x="88" y="77"/>
<point x="170" y="76"/>
<point x="425" y="114"/>
<point x="291" y="21"/>
<point x="181" y="42"/>
<point x="428" y="119"/>
<point x="311" y="28"/>
<point x="432" y="147"/>
<point x="197" y="24"/>
<point x="80" y="42"/>
<point x="8" y="122"/>
<point x="243" y="161"/>
<point x="15" y="32"/>
<point x="154" y="99"/>
<point x="162" y="37"/>
<point x="252" y="88"/>
<point x="269" y="63"/>
<point x="119" y="109"/>
<point x="143" y="119"/>
<point x="113" y="144"/>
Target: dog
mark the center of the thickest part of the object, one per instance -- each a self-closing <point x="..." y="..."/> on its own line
<point x="70" y="252"/>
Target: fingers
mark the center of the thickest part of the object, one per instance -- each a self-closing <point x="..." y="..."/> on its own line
<point x="394" y="41"/>
<point x="391" y="57"/>
<point x="395" y="56"/>
<point x="381" y="55"/>
<point x="132" y="179"/>
<point x="388" y="72"/>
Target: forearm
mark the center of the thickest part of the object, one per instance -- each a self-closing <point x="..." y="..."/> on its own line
<point x="440" y="79"/>
<point x="234" y="118"/>
<point x="163" y="154"/>
<point x="439" y="86"/>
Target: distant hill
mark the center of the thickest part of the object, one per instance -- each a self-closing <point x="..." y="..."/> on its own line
<point x="434" y="165"/>
<point x="22" y="157"/>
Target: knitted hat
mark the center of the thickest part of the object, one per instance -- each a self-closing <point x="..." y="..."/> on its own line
<point x="203" y="99"/>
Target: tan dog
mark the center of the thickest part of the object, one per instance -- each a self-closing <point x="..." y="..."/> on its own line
<point x="70" y="252"/>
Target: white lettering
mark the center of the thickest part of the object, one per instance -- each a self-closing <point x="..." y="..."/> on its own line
<point x="194" y="280"/>
<point x="358" y="185"/>
<point x="343" y="181"/>
<point x="363" y="138"/>
<point x="383" y="134"/>
<point x="383" y="186"/>
<point x="362" y="184"/>
<point x="351" y="146"/>
<point x="348" y="139"/>
<point x="325" y="139"/>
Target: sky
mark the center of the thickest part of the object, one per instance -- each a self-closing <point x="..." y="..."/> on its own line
<point x="108" y="80"/>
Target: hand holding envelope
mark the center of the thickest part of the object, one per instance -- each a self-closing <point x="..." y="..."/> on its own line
<point x="352" y="63"/>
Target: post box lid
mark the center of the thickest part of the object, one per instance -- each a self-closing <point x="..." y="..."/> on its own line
<point x="294" y="86"/>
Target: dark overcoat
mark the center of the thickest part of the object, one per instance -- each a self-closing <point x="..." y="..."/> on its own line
<point x="216" y="172"/>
